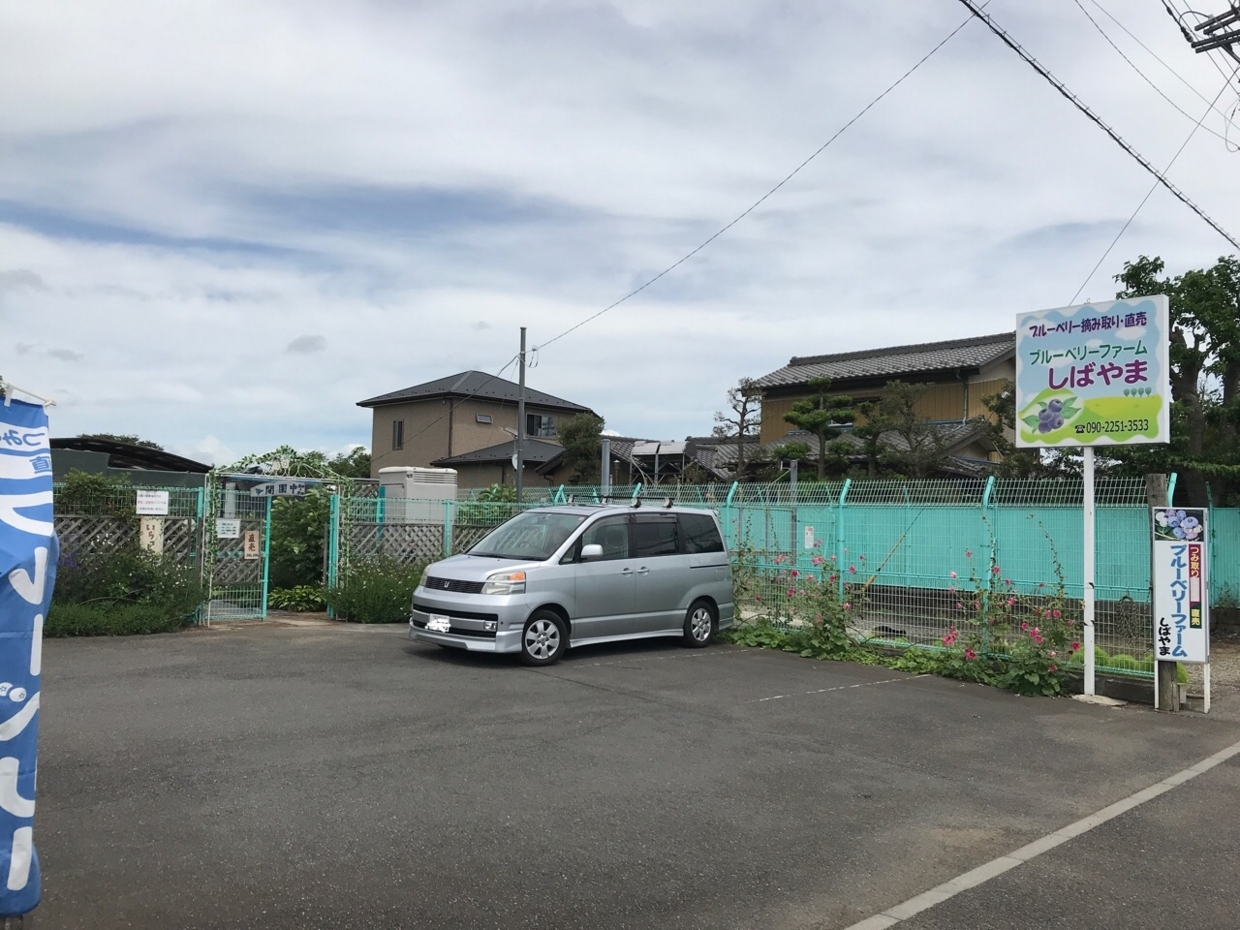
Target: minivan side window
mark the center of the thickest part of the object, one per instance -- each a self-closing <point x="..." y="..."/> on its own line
<point x="655" y="534"/>
<point x="700" y="534"/>
<point x="612" y="533"/>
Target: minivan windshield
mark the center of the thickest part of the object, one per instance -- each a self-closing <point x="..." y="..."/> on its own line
<point x="534" y="535"/>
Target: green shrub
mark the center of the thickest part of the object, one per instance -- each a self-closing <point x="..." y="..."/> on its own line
<point x="115" y="619"/>
<point x="110" y="593"/>
<point x="375" y="592"/>
<point x="1125" y="663"/>
<point x="301" y="598"/>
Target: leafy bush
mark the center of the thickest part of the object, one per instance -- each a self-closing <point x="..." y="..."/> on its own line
<point x="491" y="507"/>
<point x="375" y="592"/>
<point x="298" y="535"/>
<point x="113" y="619"/>
<point x="96" y="495"/>
<point x="107" y="581"/>
<point x="305" y="597"/>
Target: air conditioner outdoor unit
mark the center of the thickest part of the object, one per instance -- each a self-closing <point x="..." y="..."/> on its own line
<point x="416" y="495"/>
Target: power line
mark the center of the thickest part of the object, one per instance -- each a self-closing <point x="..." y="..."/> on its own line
<point x="1156" y="57"/>
<point x="1115" y="136"/>
<point x="1148" y="194"/>
<point x="757" y="203"/>
<point x="1158" y="90"/>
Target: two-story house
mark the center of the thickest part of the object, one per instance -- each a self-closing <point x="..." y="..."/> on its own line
<point x="466" y="421"/>
<point x="958" y="374"/>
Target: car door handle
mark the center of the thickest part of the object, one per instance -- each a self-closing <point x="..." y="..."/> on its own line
<point x="643" y="570"/>
<point x="626" y="571"/>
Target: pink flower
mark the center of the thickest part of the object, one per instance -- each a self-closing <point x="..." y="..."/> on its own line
<point x="847" y="606"/>
<point x="792" y="591"/>
<point x="1055" y="614"/>
<point x="1052" y="668"/>
<point x="817" y="542"/>
<point x="795" y="573"/>
<point x="1011" y="602"/>
<point x="1052" y="653"/>
<point x="833" y="577"/>
<point x="1069" y="622"/>
<point x="757" y="597"/>
<point x="1075" y="647"/>
<point x="852" y="569"/>
<point x="861" y="557"/>
<point x="951" y="587"/>
<point x="950" y="638"/>
<point x="954" y="575"/>
<point x="969" y="654"/>
<point x="780" y="560"/>
<point x="1041" y="584"/>
<point x="994" y="569"/>
<point x="1024" y="626"/>
<point x="816" y="561"/>
<point x="976" y="605"/>
<point x="959" y="606"/>
<point x="1008" y="582"/>
<point x="968" y="553"/>
<point x="832" y="556"/>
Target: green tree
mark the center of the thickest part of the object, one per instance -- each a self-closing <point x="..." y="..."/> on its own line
<point x="298" y="538"/>
<point x="921" y="451"/>
<point x="740" y="423"/>
<point x="821" y="415"/>
<point x="352" y="464"/>
<point x="579" y="435"/>
<point x="1205" y="376"/>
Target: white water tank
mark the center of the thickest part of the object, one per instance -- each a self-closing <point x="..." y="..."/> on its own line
<point x="416" y="495"/>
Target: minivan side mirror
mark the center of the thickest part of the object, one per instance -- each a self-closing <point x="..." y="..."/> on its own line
<point x="591" y="551"/>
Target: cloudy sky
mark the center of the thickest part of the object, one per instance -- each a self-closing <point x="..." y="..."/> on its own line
<point x="224" y="223"/>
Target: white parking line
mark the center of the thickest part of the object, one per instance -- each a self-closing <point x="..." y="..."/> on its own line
<point x="860" y="684"/>
<point x="984" y="873"/>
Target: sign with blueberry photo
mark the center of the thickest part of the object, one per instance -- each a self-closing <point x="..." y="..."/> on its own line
<point x="1093" y="375"/>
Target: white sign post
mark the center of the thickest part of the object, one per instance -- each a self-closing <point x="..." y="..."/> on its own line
<point x="227" y="529"/>
<point x="1093" y="375"/>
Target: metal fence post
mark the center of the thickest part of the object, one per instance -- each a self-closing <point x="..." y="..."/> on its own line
<point x="839" y="536"/>
<point x="266" y="556"/>
<point x="991" y="553"/>
<point x="447" y="528"/>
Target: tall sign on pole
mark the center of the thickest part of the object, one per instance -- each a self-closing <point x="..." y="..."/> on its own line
<point x="29" y="553"/>
<point x="1093" y="375"/>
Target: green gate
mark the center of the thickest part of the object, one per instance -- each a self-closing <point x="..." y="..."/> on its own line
<point x="238" y="529"/>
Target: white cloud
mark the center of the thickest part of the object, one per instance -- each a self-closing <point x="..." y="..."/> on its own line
<point x="245" y="218"/>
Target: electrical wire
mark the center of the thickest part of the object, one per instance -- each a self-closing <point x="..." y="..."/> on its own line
<point x="1158" y="90"/>
<point x="757" y="203"/>
<point x="1115" y="136"/>
<point x="1149" y="193"/>
<point x="1155" y="56"/>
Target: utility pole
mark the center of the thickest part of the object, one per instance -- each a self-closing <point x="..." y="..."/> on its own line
<point x="521" y="423"/>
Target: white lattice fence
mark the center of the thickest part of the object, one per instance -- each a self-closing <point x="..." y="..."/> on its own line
<point x="403" y="542"/>
<point x="466" y="536"/>
<point x="80" y="536"/>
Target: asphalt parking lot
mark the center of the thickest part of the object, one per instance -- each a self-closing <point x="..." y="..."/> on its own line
<point x="340" y="777"/>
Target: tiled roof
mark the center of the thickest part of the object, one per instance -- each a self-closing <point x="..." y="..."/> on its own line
<point x="474" y="384"/>
<point x="895" y="360"/>
<point x="536" y="453"/>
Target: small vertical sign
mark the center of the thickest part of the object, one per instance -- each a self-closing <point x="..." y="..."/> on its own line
<point x="151" y="535"/>
<point x="809" y="537"/>
<point x="251" y="548"/>
<point x="1181" y="608"/>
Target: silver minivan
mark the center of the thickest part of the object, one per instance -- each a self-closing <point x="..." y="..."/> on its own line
<point x="557" y="577"/>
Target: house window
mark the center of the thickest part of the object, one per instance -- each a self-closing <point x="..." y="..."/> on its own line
<point x="538" y="425"/>
<point x="483" y="417"/>
<point x="398" y="434"/>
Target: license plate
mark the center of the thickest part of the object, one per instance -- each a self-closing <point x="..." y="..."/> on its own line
<point x="438" y="624"/>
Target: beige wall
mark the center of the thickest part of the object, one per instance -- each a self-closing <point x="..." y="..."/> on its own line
<point x="433" y="430"/>
<point x="483" y="476"/>
<point x="950" y="401"/>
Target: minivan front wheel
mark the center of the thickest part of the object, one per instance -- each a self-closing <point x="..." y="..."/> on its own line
<point x="699" y="624"/>
<point x="544" y="638"/>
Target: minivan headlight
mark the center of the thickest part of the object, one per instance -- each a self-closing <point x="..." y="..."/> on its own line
<point x="505" y="583"/>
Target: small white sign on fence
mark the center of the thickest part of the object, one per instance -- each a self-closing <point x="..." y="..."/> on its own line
<point x="809" y="537"/>
<point x="151" y="534"/>
<point x="227" y="529"/>
<point x="152" y="503"/>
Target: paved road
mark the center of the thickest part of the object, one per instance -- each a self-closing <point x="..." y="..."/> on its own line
<point x="340" y="777"/>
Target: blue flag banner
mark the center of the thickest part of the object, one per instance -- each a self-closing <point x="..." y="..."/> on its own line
<point x="29" y="553"/>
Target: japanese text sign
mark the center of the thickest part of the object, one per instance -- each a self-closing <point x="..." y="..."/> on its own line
<point x="279" y="489"/>
<point x="1093" y="375"/>
<point x="1181" y="611"/>
<point x="153" y="503"/>
<point x="251" y="548"/>
<point x="29" y="553"/>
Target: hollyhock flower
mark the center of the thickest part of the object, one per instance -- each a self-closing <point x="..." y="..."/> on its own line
<point x="847" y="605"/>
<point x="968" y="553"/>
<point x="1053" y="668"/>
<point x="1075" y="647"/>
<point x="1011" y="602"/>
<point x="959" y="606"/>
<point x="969" y="654"/>
<point x="816" y="561"/>
<point x="994" y="569"/>
<point x="1024" y="626"/>
<point x="953" y="575"/>
<point x="794" y="573"/>
<point x="852" y="569"/>
<point x="792" y="591"/>
<point x="1055" y="614"/>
